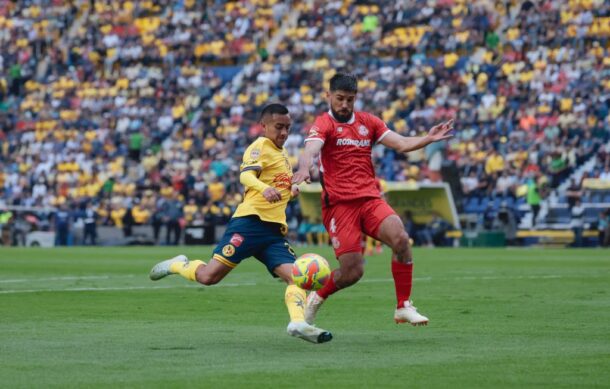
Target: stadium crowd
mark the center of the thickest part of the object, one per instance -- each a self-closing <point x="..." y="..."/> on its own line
<point x="123" y="105"/>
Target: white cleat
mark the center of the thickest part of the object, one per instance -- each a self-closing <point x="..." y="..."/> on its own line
<point x="162" y="269"/>
<point x="314" y="301"/>
<point x="313" y="334"/>
<point x="409" y="314"/>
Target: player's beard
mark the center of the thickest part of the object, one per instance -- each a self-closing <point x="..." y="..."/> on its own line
<point x="341" y="118"/>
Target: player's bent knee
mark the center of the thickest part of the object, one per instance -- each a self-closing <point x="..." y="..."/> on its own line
<point x="400" y="242"/>
<point x="207" y="280"/>
<point x="352" y="276"/>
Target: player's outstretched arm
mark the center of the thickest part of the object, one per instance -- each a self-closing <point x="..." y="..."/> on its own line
<point x="404" y="144"/>
<point x="312" y="149"/>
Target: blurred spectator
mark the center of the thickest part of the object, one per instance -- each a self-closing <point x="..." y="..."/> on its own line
<point x="157" y="222"/>
<point x="603" y="226"/>
<point x="489" y="216"/>
<point x="62" y="226"/>
<point x="172" y="214"/>
<point x="128" y="221"/>
<point x="6" y="220"/>
<point x="533" y="198"/>
<point x="90" y="228"/>
<point x="421" y="234"/>
<point x="506" y="221"/>
<point x="574" y="192"/>
<point x="577" y="222"/>
<point x="438" y="228"/>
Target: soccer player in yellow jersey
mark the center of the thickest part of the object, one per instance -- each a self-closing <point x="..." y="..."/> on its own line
<point x="258" y="226"/>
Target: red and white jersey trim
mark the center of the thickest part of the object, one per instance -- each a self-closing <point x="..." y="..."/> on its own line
<point x="309" y="139"/>
<point x="384" y="135"/>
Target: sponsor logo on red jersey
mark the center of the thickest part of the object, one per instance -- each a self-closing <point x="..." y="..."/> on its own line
<point x="354" y="142"/>
<point x="236" y="240"/>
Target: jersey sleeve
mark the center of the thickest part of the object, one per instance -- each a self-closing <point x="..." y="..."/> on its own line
<point x="380" y="129"/>
<point x="254" y="158"/>
<point x="318" y="130"/>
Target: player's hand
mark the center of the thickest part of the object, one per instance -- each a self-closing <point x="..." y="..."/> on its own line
<point x="441" y="131"/>
<point x="301" y="176"/>
<point x="294" y="191"/>
<point x="272" y="195"/>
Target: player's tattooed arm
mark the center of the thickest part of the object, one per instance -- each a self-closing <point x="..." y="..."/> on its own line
<point x="405" y="144"/>
<point x="312" y="150"/>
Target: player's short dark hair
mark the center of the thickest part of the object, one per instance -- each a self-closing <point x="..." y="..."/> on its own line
<point x="272" y="108"/>
<point x="344" y="82"/>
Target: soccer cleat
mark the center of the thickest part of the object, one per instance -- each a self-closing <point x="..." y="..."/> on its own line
<point x="314" y="301"/>
<point x="313" y="334"/>
<point x="409" y="314"/>
<point x="163" y="269"/>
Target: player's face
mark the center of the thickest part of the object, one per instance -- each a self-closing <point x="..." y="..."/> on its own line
<point x="342" y="104"/>
<point x="277" y="128"/>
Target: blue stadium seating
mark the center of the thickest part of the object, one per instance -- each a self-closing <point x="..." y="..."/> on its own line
<point x="559" y="215"/>
<point x="592" y="214"/>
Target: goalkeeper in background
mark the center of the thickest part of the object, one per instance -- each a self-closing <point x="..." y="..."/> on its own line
<point x="258" y="226"/>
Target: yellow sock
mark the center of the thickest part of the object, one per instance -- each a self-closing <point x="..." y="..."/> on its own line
<point x="309" y="237"/>
<point x="187" y="271"/>
<point x="321" y="241"/>
<point x="295" y="302"/>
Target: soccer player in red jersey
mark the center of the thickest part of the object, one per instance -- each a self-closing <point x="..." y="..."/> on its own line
<point x="351" y="202"/>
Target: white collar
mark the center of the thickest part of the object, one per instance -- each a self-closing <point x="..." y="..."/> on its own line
<point x="350" y="121"/>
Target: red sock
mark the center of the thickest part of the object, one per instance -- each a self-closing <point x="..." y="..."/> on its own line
<point x="329" y="288"/>
<point x="403" y="280"/>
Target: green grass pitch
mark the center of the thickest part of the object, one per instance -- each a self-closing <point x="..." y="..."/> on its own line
<point x="89" y="317"/>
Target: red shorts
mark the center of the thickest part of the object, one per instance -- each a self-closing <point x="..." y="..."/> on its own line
<point x="346" y="221"/>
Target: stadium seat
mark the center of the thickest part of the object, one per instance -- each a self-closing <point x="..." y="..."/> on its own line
<point x="482" y="206"/>
<point x="595" y="198"/>
<point x="592" y="213"/>
<point x="559" y="215"/>
<point x="471" y="205"/>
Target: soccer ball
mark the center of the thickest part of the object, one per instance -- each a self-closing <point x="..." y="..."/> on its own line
<point x="310" y="271"/>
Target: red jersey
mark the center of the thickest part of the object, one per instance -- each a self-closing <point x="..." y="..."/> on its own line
<point x="345" y="160"/>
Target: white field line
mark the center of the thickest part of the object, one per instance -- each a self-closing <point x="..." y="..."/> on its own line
<point x="67" y="278"/>
<point x="112" y="288"/>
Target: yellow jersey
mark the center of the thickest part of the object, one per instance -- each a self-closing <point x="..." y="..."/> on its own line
<point x="273" y="169"/>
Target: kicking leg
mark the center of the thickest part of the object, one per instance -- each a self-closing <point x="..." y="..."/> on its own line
<point x="294" y="299"/>
<point x="392" y="232"/>
<point x="351" y="269"/>
<point x="196" y="270"/>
